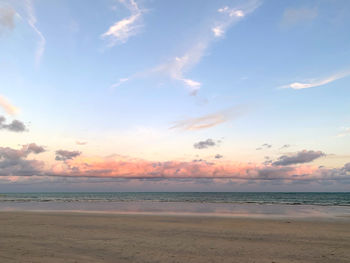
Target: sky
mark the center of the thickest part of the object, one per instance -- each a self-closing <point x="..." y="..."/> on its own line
<point x="150" y="95"/>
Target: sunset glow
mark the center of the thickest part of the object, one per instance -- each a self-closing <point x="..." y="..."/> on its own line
<point x="174" y="95"/>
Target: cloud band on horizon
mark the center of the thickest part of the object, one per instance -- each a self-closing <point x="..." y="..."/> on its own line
<point x="15" y="163"/>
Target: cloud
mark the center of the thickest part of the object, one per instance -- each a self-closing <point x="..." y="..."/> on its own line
<point x="122" y="30"/>
<point x="31" y="19"/>
<point x="180" y="65"/>
<point x="209" y="120"/>
<point x="14" y="126"/>
<point x="231" y="12"/>
<point x="14" y="163"/>
<point x="298" y="158"/>
<point x="285" y="146"/>
<point x="125" y="167"/>
<point x="218" y="32"/>
<point x="118" y="166"/>
<point x="33" y="148"/>
<point x="198" y="160"/>
<point x="230" y="16"/>
<point x="63" y="155"/>
<point x="204" y="144"/>
<point x="344" y="132"/>
<point x="264" y="146"/>
<point x="316" y="82"/>
<point x="267" y="161"/>
<point x="202" y="161"/>
<point x="7" y="19"/>
<point x="8" y="107"/>
<point x="81" y="143"/>
<point x="177" y="67"/>
<point x="193" y="85"/>
<point x="218" y="156"/>
<point x="120" y="82"/>
<point x="347" y="167"/>
<point x="25" y="10"/>
<point x="295" y="16"/>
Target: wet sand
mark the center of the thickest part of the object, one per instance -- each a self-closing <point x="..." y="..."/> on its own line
<point x="88" y="237"/>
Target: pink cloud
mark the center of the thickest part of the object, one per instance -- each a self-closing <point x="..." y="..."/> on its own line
<point x="20" y="163"/>
<point x="125" y="167"/>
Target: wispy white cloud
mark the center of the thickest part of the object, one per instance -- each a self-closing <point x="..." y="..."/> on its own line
<point x="209" y="120"/>
<point x="345" y="132"/>
<point x="230" y="16"/>
<point x="193" y="85"/>
<point x="316" y="82"/>
<point x="180" y="65"/>
<point x="218" y="31"/>
<point x="31" y="19"/>
<point x="120" y="82"/>
<point x="122" y="30"/>
<point x="24" y="10"/>
<point x="231" y="12"/>
<point x="177" y="67"/>
<point x="8" y="107"/>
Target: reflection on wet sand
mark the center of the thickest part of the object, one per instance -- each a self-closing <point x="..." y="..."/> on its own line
<point x="180" y="208"/>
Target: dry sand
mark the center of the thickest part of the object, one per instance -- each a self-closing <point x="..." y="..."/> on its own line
<point x="78" y="237"/>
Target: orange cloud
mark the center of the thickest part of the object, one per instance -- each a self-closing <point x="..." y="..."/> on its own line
<point x="209" y="120"/>
<point x="7" y="106"/>
<point x="118" y="166"/>
<point x="18" y="163"/>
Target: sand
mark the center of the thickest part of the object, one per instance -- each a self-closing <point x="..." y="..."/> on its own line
<point x="86" y="237"/>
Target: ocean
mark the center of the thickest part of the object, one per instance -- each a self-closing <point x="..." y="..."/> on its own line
<point x="267" y="205"/>
<point x="295" y="198"/>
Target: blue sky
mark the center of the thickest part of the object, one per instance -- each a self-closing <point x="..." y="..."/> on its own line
<point x="147" y="80"/>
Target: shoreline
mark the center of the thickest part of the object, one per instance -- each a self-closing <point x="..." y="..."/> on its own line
<point x="340" y="219"/>
<point x="229" y="210"/>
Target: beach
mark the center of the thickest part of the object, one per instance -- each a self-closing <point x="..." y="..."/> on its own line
<point x="28" y="236"/>
<point x="195" y="131"/>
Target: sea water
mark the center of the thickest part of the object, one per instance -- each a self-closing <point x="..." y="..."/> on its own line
<point x="295" y="198"/>
<point x="271" y="205"/>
